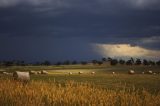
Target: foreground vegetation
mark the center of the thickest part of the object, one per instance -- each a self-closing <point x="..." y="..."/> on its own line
<point x="40" y="93"/>
<point x="102" y="88"/>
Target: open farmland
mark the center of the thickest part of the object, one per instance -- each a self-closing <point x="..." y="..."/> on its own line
<point x="102" y="88"/>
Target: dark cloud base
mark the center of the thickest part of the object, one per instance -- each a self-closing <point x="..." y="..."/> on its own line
<point x="66" y="31"/>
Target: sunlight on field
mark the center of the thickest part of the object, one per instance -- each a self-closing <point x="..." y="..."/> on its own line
<point x="74" y="71"/>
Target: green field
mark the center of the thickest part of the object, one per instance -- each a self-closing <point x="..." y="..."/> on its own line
<point x="103" y="75"/>
<point x="58" y="87"/>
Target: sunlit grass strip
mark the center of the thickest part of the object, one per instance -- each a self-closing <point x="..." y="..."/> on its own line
<point x="38" y="93"/>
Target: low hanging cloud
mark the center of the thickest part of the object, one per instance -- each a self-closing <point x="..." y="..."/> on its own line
<point x="125" y="50"/>
<point x="43" y="3"/>
<point x="137" y="4"/>
<point x="152" y="39"/>
<point x="142" y="4"/>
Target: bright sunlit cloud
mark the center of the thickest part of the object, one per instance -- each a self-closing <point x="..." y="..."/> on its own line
<point x="125" y="50"/>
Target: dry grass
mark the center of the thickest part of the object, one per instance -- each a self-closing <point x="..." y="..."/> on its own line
<point x="39" y="93"/>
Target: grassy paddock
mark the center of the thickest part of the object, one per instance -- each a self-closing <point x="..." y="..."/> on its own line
<point x="40" y="93"/>
<point x="98" y="68"/>
<point x="109" y="81"/>
<point x="102" y="88"/>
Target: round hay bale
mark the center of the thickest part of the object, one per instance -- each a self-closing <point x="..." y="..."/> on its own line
<point x="32" y="72"/>
<point x="22" y="76"/>
<point x="38" y="72"/>
<point x="150" y="72"/>
<point x="93" y="72"/>
<point x="142" y="72"/>
<point x="8" y="74"/>
<point x="113" y="72"/>
<point x="44" y="72"/>
<point x="70" y="73"/>
<point x="131" y="72"/>
<point x="5" y="73"/>
<point x="80" y="72"/>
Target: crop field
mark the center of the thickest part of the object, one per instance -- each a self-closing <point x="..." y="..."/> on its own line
<point x="103" y="88"/>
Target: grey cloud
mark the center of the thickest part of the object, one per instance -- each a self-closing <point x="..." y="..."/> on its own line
<point x="89" y="4"/>
<point x="143" y="4"/>
<point x="152" y="39"/>
<point x="97" y="21"/>
<point x="36" y="3"/>
<point x="8" y="3"/>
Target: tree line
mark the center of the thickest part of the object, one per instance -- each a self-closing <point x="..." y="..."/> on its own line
<point x="108" y="60"/>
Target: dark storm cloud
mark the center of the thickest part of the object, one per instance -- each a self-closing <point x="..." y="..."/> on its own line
<point x="45" y="48"/>
<point x="94" y="18"/>
<point x="92" y="21"/>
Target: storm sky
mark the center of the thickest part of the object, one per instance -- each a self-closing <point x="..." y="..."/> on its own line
<point x="58" y="30"/>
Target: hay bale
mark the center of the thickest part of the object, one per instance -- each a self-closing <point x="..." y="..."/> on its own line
<point x="22" y="76"/>
<point x="150" y="72"/>
<point x="44" y="72"/>
<point x="131" y="72"/>
<point x="38" y="72"/>
<point x="142" y="72"/>
<point x="113" y="73"/>
<point x="70" y="73"/>
<point x="32" y="72"/>
<point x="8" y="74"/>
<point x="5" y="73"/>
<point x="80" y="72"/>
<point x="93" y="72"/>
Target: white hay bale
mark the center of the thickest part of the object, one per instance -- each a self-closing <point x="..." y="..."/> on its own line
<point x="131" y="72"/>
<point x="70" y="73"/>
<point x="150" y="72"/>
<point x="8" y="74"/>
<point x="5" y="73"/>
<point x="80" y="72"/>
<point x="38" y="72"/>
<point x="22" y="76"/>
<point x="142" y="72"/>
<point x="44" y="72"/>
<point x="113" y="72"/>
<point x="93" y="72"/>
<point x="32" y="72"/>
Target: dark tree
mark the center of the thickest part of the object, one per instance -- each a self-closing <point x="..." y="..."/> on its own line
<point x="114" y="62"/>
<point x="132" y="60"/>
<point x="129" y="62"/>
<point x="8" y="63"/>
<point x="1" y="63"/>
<point x="152" y="63"/>
<point x="47" y="63"/>
<point x="104" y="59"/>
<point x="94" y="61"/>
<point x="109" y="59"/>
<point x="37" y="63"/>
<point x="158" y="63"/>
<point x="67" y="62"/>
<point x="100" y="62"/>
<point x="138" y="62"/>
<point x="145" y="62"/>
<point x="58" y="63"/>
<point x="22" y="63"/>
<point x="83" y="62"/>
<point x="122" y="62"/>
<point x="74" y="62"/>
